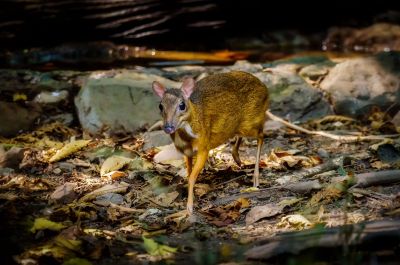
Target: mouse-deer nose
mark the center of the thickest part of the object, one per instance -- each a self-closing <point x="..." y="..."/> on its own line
<point x="169" y="128"/>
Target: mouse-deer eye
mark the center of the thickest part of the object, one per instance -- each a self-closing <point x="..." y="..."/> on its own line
<point x="182" y="106"/>
<point x="161" y="107"/>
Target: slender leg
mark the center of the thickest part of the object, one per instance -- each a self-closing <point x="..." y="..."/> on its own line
<point x="189" y="164"/>
<point x="198" y="166"/>
<point x="235" y="151"/>
<point x="256" y="175"/>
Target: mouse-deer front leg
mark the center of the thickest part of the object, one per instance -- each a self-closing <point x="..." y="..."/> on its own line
<point x="201" y="159"/>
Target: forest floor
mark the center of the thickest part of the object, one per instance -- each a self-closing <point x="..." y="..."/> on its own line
<point x="105" y="201"/>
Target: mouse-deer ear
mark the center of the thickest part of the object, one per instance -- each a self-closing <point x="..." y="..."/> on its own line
<point x="187" y="87"/>
<point x="159" y="89"/>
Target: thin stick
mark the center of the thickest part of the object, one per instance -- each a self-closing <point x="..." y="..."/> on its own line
<point x="126" y="209"/>
<point x="342" y="138"/>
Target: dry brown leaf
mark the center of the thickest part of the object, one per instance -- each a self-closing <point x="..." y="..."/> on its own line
<point x="380" y="165"/>
<point x="296" y="221"/>
<point x="109" y="188"/>
<point x="69" y="149"/>
<point x="225" y="215"/>
<point x="279" y="160"/>
<point x="166" y="199"/>
<point x="259" y="212"/>
<point x="115" y="175"/>
<point x="114" y="163"/>
<point x="201" y="189"/>
<point x="327" y="195"/>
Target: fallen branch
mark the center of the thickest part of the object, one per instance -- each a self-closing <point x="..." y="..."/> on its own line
<point x="332" y="164"/>
<point x="379" y="234"/>
<point x="341" y="138"/>
<point x="290" y="182"/>
<point x="377" y="178"/>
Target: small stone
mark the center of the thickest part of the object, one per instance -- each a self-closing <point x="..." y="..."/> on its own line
<point x="150" y="212"/>
<point x="53" y="97"/>
<point x="64" y="193"/>
<point x="57" y="171"/>
<point x="323" y="153"/>
<point x="243" y="65"/>
<point x="155" y="139"/>
<point x="106" y="199"/>
<point x="66" y="166"/>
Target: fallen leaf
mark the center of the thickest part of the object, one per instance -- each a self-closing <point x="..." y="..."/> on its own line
<point x="69" y="149"/>
<point x="167" y="153"/>
<point x="109" y="188"/>
<point x="156" y="249"/>
<point x="329" y="194"/>
<point x="296" y="221"/>
<point x="20" y="97"/>
<point x="201" y="189"/>
<point x="251" y="189"/>
<point x="259" y="212"/>
<point x="380" y="165"/>
<point x="114" y="163"/>
<point x="49" y="250"/>
<point x="289" y="202"/>
<point x="279" y="159"/>
<point x="43" y="223"/>
<point x="77" y="261"/>
<point x="114" y="175"/>
<point x="227" y="214"/>
<point x="64" y="193"/>
<point x="166" y="199"/>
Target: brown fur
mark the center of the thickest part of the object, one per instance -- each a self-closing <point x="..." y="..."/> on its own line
<point x="220" y="107"/>
<point x="225" y="105"/>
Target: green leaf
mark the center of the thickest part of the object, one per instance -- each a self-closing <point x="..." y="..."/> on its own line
<point x="156" y="249"/>
<point x="43" y="223"/>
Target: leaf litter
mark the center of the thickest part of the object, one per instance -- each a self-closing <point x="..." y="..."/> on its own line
<point x="109" y="198"/>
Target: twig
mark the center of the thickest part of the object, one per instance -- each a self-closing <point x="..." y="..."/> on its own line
<point x="372" y="194"/>
<point x="341" y="138"/>
<point x="125" y="209"/>
<point x="229" y="181"/>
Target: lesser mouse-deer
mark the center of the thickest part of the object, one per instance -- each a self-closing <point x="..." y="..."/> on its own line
<point x="205" y="114"/>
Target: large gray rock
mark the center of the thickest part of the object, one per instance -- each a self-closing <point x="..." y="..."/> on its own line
<point x="292" y="97"/>
<point x="357" y="84"/>
<point x="118" y="101"/>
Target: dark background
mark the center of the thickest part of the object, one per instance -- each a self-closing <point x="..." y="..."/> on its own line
<point x="179" y="24"/>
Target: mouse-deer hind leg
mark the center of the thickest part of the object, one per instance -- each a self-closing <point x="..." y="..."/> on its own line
<point x="189" y="164"/>
<point x="256" y="181"/>
<point x="235" y="150"/>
